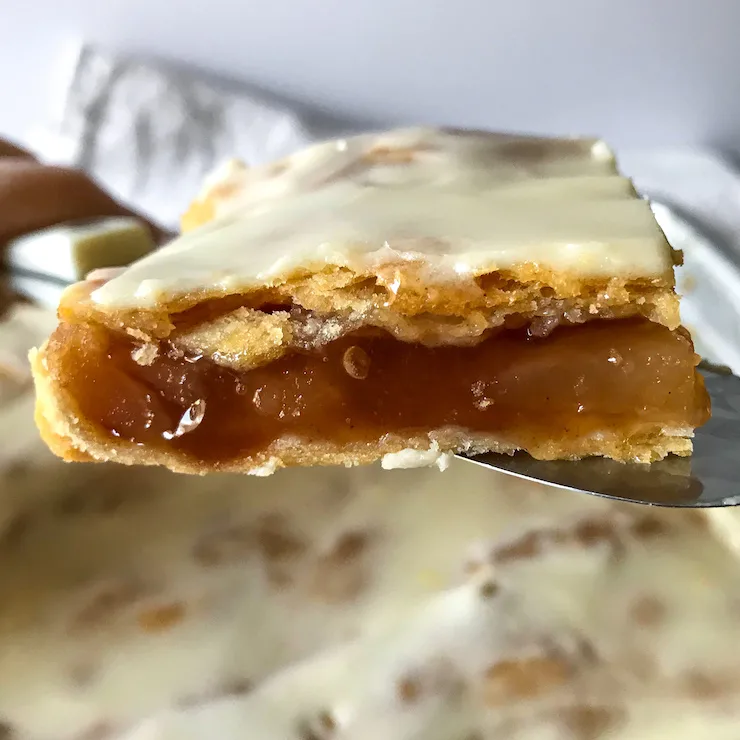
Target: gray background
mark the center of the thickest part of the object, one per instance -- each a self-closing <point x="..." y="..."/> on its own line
<point x="638" y="72"/>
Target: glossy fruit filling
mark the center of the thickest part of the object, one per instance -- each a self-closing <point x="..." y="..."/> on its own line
<point x="620" y="375"/>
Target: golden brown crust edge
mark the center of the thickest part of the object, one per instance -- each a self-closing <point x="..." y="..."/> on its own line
<point x="401" y="296"/>
<point x="73" y="439"/>
<point x="49" y="416"/>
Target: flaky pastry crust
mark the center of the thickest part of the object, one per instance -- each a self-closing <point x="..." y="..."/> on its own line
<point x="247" y="328"/>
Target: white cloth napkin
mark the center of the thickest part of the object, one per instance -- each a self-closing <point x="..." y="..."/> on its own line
<point x="151" y="131"/>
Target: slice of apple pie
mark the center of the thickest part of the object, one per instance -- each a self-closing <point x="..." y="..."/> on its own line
<point x="399" y="296"/>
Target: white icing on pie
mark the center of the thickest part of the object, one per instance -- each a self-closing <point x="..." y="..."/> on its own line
<point x="461" y="203"/>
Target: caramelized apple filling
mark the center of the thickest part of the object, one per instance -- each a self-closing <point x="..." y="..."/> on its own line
<point x="621" y="375"/>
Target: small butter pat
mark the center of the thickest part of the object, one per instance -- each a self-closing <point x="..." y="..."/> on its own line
<point x="68" y="252"/>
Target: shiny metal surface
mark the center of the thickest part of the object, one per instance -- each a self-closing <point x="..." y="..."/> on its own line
<point x="709" y="478"/>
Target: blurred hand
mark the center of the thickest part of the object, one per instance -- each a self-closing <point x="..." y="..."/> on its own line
<point x="34" y="195"/>
<point x="11" y="150"/>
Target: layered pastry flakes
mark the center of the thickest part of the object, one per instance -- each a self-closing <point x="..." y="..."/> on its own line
<point x="402" y="296"/>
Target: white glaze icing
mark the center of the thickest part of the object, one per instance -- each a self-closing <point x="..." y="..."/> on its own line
<point x="461" y="203"/>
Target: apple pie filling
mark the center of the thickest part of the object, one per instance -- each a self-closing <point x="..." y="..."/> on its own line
<point x="627" y="377"/>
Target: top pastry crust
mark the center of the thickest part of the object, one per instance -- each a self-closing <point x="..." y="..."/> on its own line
<point x="397" y="226"/>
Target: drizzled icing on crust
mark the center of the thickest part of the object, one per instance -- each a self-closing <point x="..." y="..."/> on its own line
<point x="456" y="204"/>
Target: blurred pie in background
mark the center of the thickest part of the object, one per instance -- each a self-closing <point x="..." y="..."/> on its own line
<point x="328" y="604"/>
